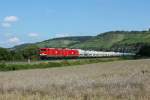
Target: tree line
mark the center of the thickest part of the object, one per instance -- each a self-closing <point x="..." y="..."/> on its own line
<point x="32" y="53"/>
<point x="29" y="52"/>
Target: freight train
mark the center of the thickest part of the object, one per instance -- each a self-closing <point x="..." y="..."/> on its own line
<point x="77" y="53"/>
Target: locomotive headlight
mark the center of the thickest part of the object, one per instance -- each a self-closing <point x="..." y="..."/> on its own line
<point x="42" y="54"/>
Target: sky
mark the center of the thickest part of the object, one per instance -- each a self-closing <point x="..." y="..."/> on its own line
<point x="29" y="21"/>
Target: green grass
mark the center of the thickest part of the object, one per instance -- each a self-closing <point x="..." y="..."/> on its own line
<point x="63" y="63"/>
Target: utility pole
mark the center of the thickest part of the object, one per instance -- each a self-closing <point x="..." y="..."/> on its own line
<point x="29" y="60"/>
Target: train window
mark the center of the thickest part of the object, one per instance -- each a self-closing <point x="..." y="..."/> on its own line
<point x="43" y="49"/>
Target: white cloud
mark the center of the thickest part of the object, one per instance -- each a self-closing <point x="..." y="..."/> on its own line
<point x="62" y="34"/>
<point x="10" y="19"/>
<point x="14" y="40"/>
<point x="33" y="34"/>
<point x="6" y="25"/>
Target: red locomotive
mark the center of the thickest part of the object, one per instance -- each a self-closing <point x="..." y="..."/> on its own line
<point x="58" y="52"/>
<point x="74" y="53"/>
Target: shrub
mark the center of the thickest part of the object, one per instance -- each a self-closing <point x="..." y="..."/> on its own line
<point x="2" y="66"/>
<point x="144" y="51"/>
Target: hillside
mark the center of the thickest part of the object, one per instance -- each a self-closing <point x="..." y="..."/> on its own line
<point x="63" y="42"/>
<point x="114" y="41"/>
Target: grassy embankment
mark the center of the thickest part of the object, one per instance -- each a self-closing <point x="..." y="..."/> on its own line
<point x="61" y="63"/>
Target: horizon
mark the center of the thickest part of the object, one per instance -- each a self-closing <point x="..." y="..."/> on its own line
<point x="33" y="21"/>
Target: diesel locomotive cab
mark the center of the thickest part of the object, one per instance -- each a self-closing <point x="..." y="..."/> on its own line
<point x="43" y="52"/>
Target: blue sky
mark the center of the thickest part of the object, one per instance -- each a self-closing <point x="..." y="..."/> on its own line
<point x="27" y="21"/>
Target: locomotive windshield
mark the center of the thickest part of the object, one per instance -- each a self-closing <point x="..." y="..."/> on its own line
<point x="43" y="50"/>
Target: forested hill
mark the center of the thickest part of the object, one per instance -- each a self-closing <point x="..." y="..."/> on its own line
<point x="62" y="42"/>
<point x="117" y="41"/>
<point x="110" y="41"/>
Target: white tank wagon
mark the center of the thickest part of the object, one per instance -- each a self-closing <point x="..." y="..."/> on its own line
<point x="92" y="53"/>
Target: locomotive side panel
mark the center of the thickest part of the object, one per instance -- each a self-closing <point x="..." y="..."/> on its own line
<point x="56" y="52"/>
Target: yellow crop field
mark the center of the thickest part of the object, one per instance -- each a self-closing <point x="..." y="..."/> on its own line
<point x="118" y="80"/>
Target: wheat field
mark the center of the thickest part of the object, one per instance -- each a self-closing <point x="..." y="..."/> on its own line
<point x="118" y="80"/>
